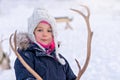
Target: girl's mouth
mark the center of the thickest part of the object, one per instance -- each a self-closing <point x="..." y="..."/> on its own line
<point x="44" y="39"/>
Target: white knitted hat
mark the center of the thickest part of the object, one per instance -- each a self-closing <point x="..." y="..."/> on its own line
<point x="40" y="14"/>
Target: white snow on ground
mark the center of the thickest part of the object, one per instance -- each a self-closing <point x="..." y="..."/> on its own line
<point x="104" y="19"/>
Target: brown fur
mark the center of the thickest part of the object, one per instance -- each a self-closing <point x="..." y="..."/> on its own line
<point x="4" y="59"/>
<point x="23" y="40"/>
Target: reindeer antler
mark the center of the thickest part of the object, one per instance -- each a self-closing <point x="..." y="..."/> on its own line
<point x="89" y="39"/>
<point x="14" y="48"/>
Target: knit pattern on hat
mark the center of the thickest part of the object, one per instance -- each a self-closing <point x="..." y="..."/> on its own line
<point x="41" y="14"/>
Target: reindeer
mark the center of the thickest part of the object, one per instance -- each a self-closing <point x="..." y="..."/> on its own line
<point x="89" y="39"/>
<point x="66" y="20"/>
<point x="4" y="59"/>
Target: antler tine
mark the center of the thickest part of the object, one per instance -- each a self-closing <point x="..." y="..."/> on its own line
<point x="15" y="42"/>
<point x="86" y="17"/>
<point x="89" y="39"/>
<point x="78" y="12"/>
<point x="10" y="42"/>
<point x="14" y="48"/>
<point x="78" y="64"/>
<point x="88" y="10"/>
<point x="81" y="13"/>
<point x="79" y="67"/>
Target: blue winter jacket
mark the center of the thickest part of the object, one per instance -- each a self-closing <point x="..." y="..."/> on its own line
<point x="45" y="65"/>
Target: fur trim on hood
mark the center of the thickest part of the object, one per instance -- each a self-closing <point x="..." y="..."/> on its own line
<point x="23" y="41"/>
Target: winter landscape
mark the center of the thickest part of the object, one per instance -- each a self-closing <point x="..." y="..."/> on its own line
<point x="105" y="24"/>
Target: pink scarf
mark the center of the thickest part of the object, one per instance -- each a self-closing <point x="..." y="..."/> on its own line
<point x="49" y="47"/>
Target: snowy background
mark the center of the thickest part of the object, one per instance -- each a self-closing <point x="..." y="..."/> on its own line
<point x="105" y="23"/>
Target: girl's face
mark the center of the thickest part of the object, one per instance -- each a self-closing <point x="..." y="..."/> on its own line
<point x="43" y="33"/>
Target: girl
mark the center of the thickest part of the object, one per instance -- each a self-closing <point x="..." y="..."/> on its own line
<point x="39" y="48"/>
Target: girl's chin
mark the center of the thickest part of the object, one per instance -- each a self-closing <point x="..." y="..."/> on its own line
<point x="45" y="43"/>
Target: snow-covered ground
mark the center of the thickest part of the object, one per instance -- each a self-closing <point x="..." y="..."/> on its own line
<point x="105" y="23"/>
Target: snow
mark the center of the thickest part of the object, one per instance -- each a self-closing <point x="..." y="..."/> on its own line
<point x="104" y="19"/>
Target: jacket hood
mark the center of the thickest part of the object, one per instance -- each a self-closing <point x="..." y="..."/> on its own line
<point x="39" y="14"/>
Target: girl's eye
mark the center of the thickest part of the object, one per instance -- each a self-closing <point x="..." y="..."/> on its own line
<point x="40" y="30"/>
<point x="49" y="30"/>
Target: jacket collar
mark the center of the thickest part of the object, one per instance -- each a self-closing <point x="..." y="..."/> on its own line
<point x="39" y="51"/>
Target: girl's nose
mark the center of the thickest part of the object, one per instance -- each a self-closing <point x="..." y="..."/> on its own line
<point x="45" y="33"/>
